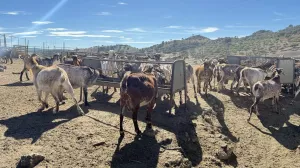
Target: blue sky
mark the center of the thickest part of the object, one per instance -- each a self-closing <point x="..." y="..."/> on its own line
<point x="140" y="23"/>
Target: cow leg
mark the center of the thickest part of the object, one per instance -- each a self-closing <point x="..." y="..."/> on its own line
<point x="252" y="107"/>
<point x="21" y="74"/>
<point x="46" y="100"/>
<point x="11" y="61"/>
<point x="210" y="87"/>
<point x="220" y="85"/>
<point x="121" y="120"/>
<point x="26" y="74"/>
<point x="251" y="85"/>
<point x="85" y="96"/>
<point x="278" y="105"/>
<point x="134" y="119"/>
<point x="106" y="90"/>
<point x="194" y="87"/>
<point x="233" y="82"/>
<point x="214" y="81"/>
<point x="238" y="85"/>
<point x="148" y="116"/>
<point x="180" y="97"/>
<point x="205" y="88"/>
<point x="199" y="85"/>
<point x="39" y="92"/>
<point x="56" y="98"/>
<point x="245" y="85"/>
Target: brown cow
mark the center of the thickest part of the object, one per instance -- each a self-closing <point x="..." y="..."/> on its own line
<point x="136" y="90"/>
<point x="204" y="72"/>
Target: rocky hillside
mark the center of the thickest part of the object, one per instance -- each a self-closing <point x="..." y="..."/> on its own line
<point x="118" y="48"/>
<point x="262" y="42"/>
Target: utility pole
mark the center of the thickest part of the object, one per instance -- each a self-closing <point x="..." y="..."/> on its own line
<point x="4" y="41"/>
<point x="43" y="48"/>
<point x="11" y="39"/>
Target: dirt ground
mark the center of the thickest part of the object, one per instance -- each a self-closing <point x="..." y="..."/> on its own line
<point x="67" y="140"/>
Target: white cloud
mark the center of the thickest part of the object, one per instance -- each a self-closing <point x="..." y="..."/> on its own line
<point x="104" y="13"/>
<point x="56" y="29"/>
<point x="136" y="30"/>
<point x="10" y="13"/>
<point x="174" y="27"/>
<point x="41" y="22"/>
<point x="204" y="30"/>
<point x="292" y="18"/>
<point x="122" y="3"/>
<point x="69" y="33"/>
<point x="72" y="39"/>
<point x="28" y="33"/>
<point x="28" y="36"/>
<point x="108" y="5"/>
<point x="13" y="13"/>
<point x="76" y="34"/>
<point x="210" y="29"/>
<point x="5" y="32"/>
<point x="125" y="38"/>
<point x="112" y="31"/>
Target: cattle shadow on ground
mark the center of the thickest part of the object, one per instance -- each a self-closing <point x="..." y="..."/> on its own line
<point x="285" y="132"/>
<point x="142" y="152"/>
<point x="101" y="96"/>
<point x="18" y="84"/>
<point x="34" y="124"/>
<point x="218" y="106"/>
<point x="243" y="100"/>
<point x="179" y="123"/>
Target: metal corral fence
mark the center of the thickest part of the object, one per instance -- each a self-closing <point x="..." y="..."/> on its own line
<point x="287" y="64"/>
<point x="178" y="77"/>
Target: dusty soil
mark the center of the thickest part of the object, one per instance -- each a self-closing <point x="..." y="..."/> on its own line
<point x="67" y="140"/>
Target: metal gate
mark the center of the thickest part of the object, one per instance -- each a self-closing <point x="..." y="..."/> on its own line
<point x="178" y="77"/>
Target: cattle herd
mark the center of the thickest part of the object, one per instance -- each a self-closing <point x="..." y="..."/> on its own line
<point x="139" y="82"/>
